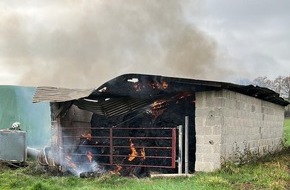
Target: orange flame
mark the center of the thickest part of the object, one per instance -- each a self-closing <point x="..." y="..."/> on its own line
<point x="164" y="85"/>
<point x="134" y="153"/>
<point x="117" y="169"/>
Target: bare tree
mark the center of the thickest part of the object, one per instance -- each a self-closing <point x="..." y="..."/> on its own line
<point x="281" y="85"/>
<point x="264" y="82"/>
<point x="278" y="82"/>
<point x="286" y="87"/>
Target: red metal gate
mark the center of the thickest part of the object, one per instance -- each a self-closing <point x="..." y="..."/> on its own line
<point x="116" y="142"/>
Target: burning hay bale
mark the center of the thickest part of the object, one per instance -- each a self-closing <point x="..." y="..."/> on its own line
<point x="141" y="141"/>
<point x="130" y="144"/>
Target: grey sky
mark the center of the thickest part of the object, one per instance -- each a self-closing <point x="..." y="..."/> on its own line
<point x="85" y="43"/>
<point x="252" y="35"/>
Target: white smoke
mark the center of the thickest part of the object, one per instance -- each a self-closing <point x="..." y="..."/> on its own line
<point x="81" y="44"/>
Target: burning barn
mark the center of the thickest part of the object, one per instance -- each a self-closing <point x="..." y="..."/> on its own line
<point x="138" y="123"/>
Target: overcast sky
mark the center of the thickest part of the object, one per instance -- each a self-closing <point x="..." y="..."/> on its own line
<point x="83" y="43"/>
<point x="253" y="35"/>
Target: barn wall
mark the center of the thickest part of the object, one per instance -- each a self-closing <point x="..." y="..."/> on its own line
<point x="63" y="128"/>
<point x="208" y="127"/>
<point x="228" y="123"/>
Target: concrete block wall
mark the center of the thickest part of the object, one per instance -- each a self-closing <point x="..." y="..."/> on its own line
<point x="227" y="122"/>
<point x="208" y="128"/>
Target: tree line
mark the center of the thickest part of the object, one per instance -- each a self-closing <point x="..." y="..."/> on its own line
<point x="281" y="85"/>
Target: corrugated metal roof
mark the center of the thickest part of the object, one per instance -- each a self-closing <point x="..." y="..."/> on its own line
<point x="113" y="106"/>
<point x="53" y="94"/>
<point x="130" y="92"/>
<point x="120" y="86"/>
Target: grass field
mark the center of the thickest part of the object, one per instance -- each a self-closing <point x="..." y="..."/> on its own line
<point x="287" y="131"/>
<point x="271" y="172"/>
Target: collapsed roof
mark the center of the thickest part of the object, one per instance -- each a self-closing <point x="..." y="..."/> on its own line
<point x="130" y="92"/>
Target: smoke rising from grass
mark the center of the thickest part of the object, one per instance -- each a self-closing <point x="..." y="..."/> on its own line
<point x="81" y="44"/>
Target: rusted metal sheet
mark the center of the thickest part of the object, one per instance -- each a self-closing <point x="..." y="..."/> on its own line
<point x="53" y="94"/>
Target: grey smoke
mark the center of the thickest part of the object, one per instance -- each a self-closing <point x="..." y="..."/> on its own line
<point x="82" y="44"/>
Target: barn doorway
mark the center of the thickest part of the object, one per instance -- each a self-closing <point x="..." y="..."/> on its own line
<point x="167" y="115"/>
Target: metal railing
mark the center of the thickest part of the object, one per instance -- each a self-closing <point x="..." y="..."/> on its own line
<point x="159" y="151"/>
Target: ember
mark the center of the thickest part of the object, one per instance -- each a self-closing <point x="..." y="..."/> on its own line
<point x="138" y="86"/>
<point x="87" y="136"/>
<point x="162" y="85"/>
<point x="143" y="156"/>
<point x="158" y="107"/>
<point x="117" y="169"/>
<point x="159" y="104"/>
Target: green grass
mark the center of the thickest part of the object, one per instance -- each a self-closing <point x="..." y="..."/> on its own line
<point x="287" y="131"/>
<point x="271" y="172"/>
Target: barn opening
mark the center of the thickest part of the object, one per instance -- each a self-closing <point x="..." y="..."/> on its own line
<point x="131" y="124"/>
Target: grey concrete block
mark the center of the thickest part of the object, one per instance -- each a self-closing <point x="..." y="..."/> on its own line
<point x="204" y="148"/>
<point x="203" y="130"/>
<point x="205" y="166"/>
<point x="212" y="157"/>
